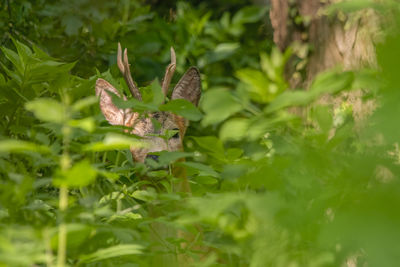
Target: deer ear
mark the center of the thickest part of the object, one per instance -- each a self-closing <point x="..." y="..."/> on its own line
<point x="112" y="113"/>
<point x="189" y="86"/>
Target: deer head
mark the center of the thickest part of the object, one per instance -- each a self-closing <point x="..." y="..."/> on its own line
<point x="188" y="87"/>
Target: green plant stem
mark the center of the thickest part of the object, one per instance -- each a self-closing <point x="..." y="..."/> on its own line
<point x="62" y="231"/>
<point x="65" y="164"/>
<point x="49" y="253"/>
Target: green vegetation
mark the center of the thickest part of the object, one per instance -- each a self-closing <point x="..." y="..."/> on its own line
<point x="269" y="188"/>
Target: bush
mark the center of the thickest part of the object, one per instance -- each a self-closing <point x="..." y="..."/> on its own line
<point x="268" y="188"/>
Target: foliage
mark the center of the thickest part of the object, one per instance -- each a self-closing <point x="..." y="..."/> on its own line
<point x="269" y="188"/>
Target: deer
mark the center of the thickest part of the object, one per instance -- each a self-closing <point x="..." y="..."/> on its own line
<point x="188" y="88"/>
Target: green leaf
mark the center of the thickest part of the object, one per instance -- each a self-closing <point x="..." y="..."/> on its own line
<point x="267" y="66"/>
<point x="330" y="82"/>
<point x="18" y="146"/>
<point x="157" y="174"/>
<point x="114" y="141"/>
<point x="168" y="134"/>
<point x="218" y="105"/>
<point x="87" y="124"/>
<point x="323" y="115"/>
<point x="49" y="71"/>
<point x="81" y="174"/>
<point x="261" y="89"/>
<point x="126" y="217"/>
<point x="249" y="14"/>
<point x="85" y="102"/>
<point x="287" y="99"/>
<point x="77" y="234"/>
<point x="153" y="94"/>
<point x="212" y="145"/>
<point x="133" y="103"/>
<point x="206" y="180"/>
<point x="24" y="52"/>
<point x="182" y="108"/>
<point x="112" y="252"/>
<point x="274" y="64"/>
<point x="17" y="78"/>
<point x="234" y="129"/>
<point x="349" y="6"/>
<point x="201" y="169"/>
<point x="108" y="174"/>
<point x="112" y="196"/>
<point x="221" y="52"/>
<point x="47" y="109"/>
<point x="22" y="48"/>
<point x="39" y="53"/>
<point x="145" y="195"/>
<point x="15" y="60"/>
<point x="167" y="157"/>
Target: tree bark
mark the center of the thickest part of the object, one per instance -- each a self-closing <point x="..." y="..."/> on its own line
<point x="321" y="42"/>
<point x="347" y="40"/>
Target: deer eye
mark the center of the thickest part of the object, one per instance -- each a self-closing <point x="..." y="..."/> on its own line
<point x="177" y="134"/>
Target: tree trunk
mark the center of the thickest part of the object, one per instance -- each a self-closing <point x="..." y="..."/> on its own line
<point x="321" y="41"/>
<point x="342" y="39"/>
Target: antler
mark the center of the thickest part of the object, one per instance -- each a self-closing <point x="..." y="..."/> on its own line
<point x="169" y="72"/>
<point x="123" y="66"/>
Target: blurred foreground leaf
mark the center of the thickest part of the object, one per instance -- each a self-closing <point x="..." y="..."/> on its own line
<point x="18" y="146"/>
<point x="81" y="174"/>
<point x="112" y="252"/>
<point x="114" y="141"/>
<point x="218" y="105"/>
<point x="47" y="109"/>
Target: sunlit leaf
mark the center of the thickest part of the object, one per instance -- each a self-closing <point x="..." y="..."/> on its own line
<point x="85" y="102"/>
<point x="19" y="146"/>
<point x="114" y="141"/>
<point x="80" y="174"/>
<point x="258" y="85"/>
<point x="112" y="252"/>
<point x="47" y="109"/>
<point x="234" y="129"/>
<point x="87" y="124"/>
<point x="125" y="217"/>
<point x="145" y="195"/>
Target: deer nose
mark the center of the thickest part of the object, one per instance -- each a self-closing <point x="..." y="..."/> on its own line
<point x="153" y="157"/>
